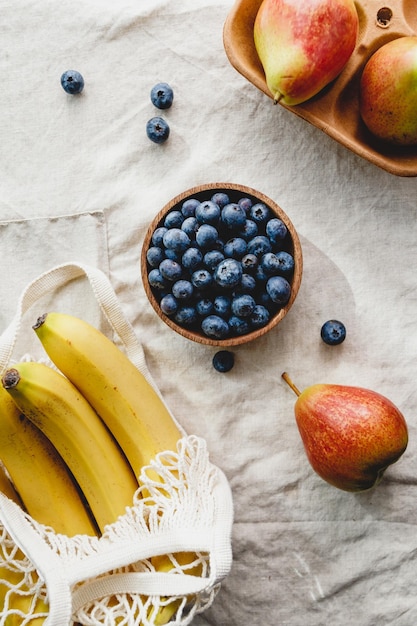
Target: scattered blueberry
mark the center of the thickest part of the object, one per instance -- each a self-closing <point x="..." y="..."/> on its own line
<point x="72" y="82"/>
<point x="157" y="129"/>
<point x="223" y="361"/>
<point x="333" y="332"/>
<point x="162" y="96"/>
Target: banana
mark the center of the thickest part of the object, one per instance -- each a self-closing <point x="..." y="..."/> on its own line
<point x="52" y="403"/>
<point x="49" y="491"/>
<point x="121" y="395"/>
<point x="39" y="475"/>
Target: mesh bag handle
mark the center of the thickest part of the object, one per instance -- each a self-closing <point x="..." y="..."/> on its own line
<point x="72" y="582"/>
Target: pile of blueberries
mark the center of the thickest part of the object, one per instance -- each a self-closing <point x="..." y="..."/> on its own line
<point x="220" y="266"/>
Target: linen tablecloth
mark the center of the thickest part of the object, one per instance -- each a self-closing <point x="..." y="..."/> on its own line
<point x="81" y="181"/>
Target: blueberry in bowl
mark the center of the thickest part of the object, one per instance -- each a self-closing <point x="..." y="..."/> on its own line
<point x="221" y="264"/>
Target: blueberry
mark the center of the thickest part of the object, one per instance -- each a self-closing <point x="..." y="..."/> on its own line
<point x="158" y="236"/>
<point x="208" y="212"/>
<point x="235" y="248"/>
<point x="201" y="279"/>
<point x="206" y="236"/>
<point x="162" y="95"/>
<point x="154" y="256"/>
<point x="189" y="206"/>
<point x="223" y="361"/>
<point x="220" y="198"/>
<point x="233" y="216"/>
<point x="246" y="204"/>
<point x="247" y="284"/>
<point x="270" y="264"/>
<point x="171" y="270"/>
<point x="276" y="230"/>
<point x="286" y="263"/>
<point x="156" y="280"/>
<point x="243" y="305"/>
<point x="186" y="316"/>
<point x="192" y="258"/>
<point x="190" y="226"/>
<point x="222" y="305"/>
<point x="157" y="130"/>
<point x="260" y="316"/>
<point x="169" y="304"/>
<point x="173" y="219"/>
<point x="212" y="258"/>
<point x="238" y="325"/>
<point x="333" y="332"/>
<point x="182" y="289"/>
<point x="248" y="230"/>
<point x="249" y="262"/>
<point x="279" y="289"/>
<point x="259" y="245"/>
<point x="259" y="212"/>
<point x="72" y="82"/>
<point x="215" y="327"/>
<point x="228" y="273"/>
<point x="204" y="307"/>
<point x="173" y="255"/>
<point x="176" y="239"/>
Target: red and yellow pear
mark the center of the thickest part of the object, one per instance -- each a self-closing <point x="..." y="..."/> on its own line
<point x="350" y="434"/>
<point x="303" y="45"/>
<point x="388" y="92"/>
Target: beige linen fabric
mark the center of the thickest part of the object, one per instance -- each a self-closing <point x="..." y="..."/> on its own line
<point x="304" y="552"/>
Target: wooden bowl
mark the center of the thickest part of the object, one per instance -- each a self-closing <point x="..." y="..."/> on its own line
<point x="235" y="192"/>
<point x="335" y="110"/>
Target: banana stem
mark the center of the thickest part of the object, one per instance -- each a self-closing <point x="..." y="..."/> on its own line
<point x="289" y="382"/>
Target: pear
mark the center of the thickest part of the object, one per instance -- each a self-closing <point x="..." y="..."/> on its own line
<point x="350" y="434"/>
<point x="388" y="92"/>
<point x="304" y="44"/>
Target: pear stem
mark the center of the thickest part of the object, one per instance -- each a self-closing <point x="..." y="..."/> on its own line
<point x="289" y="382"/>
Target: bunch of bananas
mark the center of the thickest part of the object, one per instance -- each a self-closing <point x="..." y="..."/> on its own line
<point x="73" y="440"/>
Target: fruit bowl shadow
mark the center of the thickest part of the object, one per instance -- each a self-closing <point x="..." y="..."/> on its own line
<point x="335" y="110"/>
<point x="235" y="192"/>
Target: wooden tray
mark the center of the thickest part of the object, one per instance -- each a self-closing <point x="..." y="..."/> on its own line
<point x="336" y="109"/>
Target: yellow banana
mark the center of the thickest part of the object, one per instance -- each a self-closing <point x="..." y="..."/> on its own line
<point x="60" y="502"/>
<point x="121" y="395"/>
<point x="54" y="405"/>
<point x="39" y="474"/>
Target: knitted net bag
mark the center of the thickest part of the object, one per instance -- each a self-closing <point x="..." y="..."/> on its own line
<point x="182" y="512"/>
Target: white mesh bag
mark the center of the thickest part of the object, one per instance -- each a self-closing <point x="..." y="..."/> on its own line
<point x="186" y="507"/>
